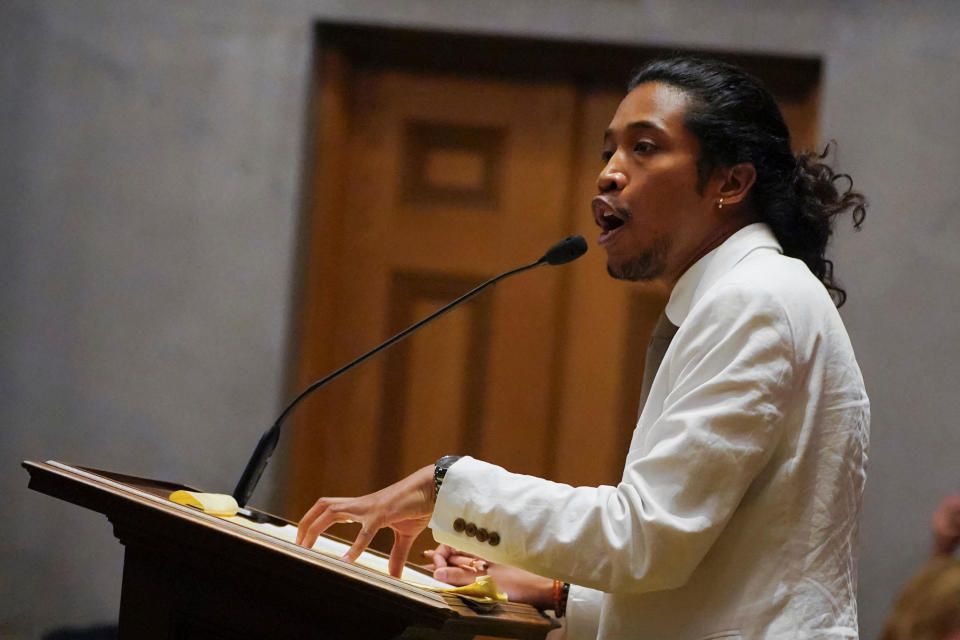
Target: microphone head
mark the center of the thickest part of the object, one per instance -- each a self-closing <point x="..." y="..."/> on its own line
<point x="567" y="250"/>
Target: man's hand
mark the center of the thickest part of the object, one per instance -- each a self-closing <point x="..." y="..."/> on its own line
<point x="405" y="507"/>
<point x="459" y="568"/>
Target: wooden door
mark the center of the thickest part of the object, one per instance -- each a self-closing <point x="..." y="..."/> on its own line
<point x="445" y="183"/>
<point x="424" y="186"/>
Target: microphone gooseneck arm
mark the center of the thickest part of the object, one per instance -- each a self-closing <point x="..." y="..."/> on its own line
<point x="564" y="251"/>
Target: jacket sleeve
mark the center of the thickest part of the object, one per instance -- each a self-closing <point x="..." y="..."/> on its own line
<point x="582" y="621"/>
<point x="724" y="386"/>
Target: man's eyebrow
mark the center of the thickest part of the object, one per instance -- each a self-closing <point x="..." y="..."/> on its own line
<point x="639" y="124"/>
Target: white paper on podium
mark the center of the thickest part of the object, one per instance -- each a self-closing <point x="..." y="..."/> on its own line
<point x="336" y="549"/>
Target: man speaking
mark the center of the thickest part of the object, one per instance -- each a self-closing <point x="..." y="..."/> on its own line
<point x="737" y="512"/>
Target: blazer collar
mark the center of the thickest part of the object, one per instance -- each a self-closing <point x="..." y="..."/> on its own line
<point x="696" y="280"/>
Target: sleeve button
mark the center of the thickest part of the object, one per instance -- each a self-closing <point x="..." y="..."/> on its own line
<point x="494" y="539"/>
<point x="482" y="535"/>
<point x="471" y="529"/>
<point x="459" y="524"/>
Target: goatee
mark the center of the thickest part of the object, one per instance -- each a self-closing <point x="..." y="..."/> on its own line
<point x="648" y="265"/>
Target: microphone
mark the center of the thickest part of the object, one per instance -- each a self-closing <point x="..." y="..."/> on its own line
<point x="565" y="251"/>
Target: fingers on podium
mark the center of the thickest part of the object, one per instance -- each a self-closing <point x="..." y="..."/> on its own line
<point x="318" y="519"/>
<point x="439" y="555"/>
<point x="399" y="553"/>
<point x="436" y="560"/>
<point x="471" y="563"/>
<point x="455" y="576"/>
<point x="362" y="542"/>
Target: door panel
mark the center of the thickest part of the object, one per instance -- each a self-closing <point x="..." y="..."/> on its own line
<point x="446" y="182"/>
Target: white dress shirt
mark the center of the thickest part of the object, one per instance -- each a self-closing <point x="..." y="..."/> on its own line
<point x="737" y="512"/>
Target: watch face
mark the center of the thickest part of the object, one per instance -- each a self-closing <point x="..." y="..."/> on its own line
<point x="444" y="463"/>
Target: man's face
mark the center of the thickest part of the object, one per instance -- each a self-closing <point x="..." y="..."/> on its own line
<point x="654" y="222"/>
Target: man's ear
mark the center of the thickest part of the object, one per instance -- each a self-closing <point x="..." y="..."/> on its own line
<point x="737" y="182"/>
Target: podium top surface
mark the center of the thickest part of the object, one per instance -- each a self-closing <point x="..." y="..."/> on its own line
<point x="142" y="513"/>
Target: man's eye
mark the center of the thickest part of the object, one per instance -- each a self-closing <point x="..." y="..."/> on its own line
<point x="644" y="146"/>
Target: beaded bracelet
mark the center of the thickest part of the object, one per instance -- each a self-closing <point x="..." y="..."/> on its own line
<point x="561" y="590"/>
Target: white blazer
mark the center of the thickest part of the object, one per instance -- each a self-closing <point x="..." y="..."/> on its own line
<point x="737" y="513"/>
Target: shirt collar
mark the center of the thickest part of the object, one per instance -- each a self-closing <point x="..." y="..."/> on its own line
<point x="705" y="271"/>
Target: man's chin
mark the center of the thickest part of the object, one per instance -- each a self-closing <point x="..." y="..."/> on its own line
<point x="634" y="271"/>
<point x="645" y="265"/>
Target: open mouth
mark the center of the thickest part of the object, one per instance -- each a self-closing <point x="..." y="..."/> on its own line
<point x="608" y="216"/>
<point x="609" y="221"/>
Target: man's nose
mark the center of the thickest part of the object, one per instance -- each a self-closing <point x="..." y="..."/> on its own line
<point x="612" y="178"/>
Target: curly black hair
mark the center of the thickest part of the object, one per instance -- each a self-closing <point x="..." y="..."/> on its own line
<point x="736" y="120"/>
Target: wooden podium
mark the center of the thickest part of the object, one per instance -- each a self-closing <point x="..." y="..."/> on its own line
<point x="190" y="575"/>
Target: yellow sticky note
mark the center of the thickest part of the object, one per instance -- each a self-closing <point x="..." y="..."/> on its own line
<point x="216" y="504"/>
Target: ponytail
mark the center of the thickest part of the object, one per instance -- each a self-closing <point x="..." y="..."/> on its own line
<point x="803" y="218"/>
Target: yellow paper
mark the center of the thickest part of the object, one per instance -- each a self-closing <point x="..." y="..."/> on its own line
<point x="216" y="504"/>
<point x="483" y="589"/>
